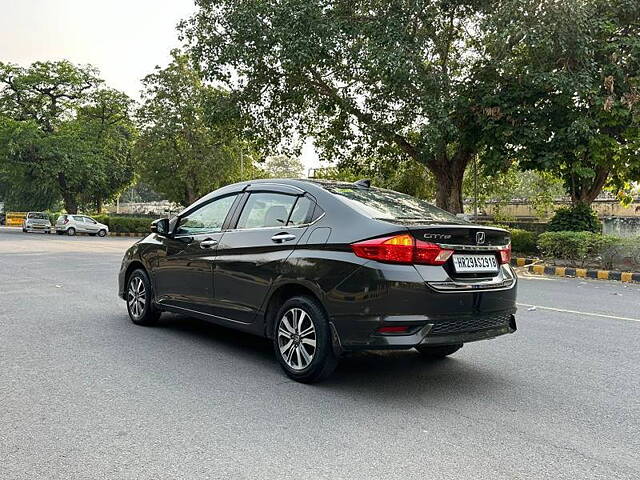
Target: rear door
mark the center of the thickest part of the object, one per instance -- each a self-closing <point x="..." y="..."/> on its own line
<point x="183" y="275"/>
<point x="250" y="256"/>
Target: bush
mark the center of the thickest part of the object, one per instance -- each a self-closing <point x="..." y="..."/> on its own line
<point x="579" y="218"/>
<point x="125" y="224"/>
<point x="523" y="241"/>
<point x="576" y="247"/>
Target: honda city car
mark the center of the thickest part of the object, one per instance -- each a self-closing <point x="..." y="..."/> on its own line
<point x="322" y="268"/>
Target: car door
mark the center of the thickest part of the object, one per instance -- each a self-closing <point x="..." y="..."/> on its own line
<point x="183" y="274"/>
<point x="78" y="224"/>
<point x="90" y="224"/>
<point x="250" y="256"/>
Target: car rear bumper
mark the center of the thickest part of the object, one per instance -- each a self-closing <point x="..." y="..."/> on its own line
<point x="391" y="296"/>
<point x="455" y="330"/>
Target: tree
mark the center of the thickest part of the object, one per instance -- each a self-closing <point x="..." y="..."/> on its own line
<point x="62" y="127"/>
<point x="400" y="174"/>
<point x="568" y="97"/>
<point x="369" y="79"/>
<point x="283" y="166"/>
<point x="191" y="139"/>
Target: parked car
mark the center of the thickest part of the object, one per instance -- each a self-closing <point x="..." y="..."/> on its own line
<point x="72" y="224"/>
<point x="322" y="268"/>
<point x="36" y="222"/>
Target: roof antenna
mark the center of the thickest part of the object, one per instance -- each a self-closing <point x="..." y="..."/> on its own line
<point x="364" y="183"/>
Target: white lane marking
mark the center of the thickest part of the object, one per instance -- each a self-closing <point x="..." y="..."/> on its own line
<point x="562" y="310"/>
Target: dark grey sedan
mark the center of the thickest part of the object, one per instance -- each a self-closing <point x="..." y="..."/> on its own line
<point x="322" y="268"/>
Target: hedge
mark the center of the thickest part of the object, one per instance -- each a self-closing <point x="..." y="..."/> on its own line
<point x="523" y="241"/>
<point x="125" y="224"/>
<point x="581" y="248"/>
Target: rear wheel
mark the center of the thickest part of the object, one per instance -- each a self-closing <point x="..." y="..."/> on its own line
<point x="302" y="340"/>
<point x="140" y="299"/>
<point x="438" y="351"/>
<point x="71" y="231"/>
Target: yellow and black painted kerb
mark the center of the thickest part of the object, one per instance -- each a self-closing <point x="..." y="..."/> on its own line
<point x="539" y="269"/>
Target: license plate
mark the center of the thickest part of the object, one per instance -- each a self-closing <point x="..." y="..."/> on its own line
<point x="475" y="263"/>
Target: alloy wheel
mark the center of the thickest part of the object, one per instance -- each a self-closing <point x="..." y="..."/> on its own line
<point x="297" y="338"/>
<point x="137" y="297"/>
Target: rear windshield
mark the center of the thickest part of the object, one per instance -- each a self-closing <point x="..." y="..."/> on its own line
<point x="389" y="205"/>
<point x="39" y="216"/>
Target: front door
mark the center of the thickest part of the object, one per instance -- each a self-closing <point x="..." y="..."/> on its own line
<point x="90" y="225"/>
<point x="183" y="276"/>
<point x="250" y="256"/>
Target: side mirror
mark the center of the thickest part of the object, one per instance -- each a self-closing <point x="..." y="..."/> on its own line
<point x="161" y="227"/>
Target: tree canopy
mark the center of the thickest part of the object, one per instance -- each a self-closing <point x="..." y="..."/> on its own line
<point x="369" y="78"/>
<point x="567" y="99"/>
<point x="551" y="84"/>
<point x="65" y="133"/>
<point x="191" y="138"/>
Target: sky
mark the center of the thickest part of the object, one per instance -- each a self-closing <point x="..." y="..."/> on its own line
<point x="124" y="39"/>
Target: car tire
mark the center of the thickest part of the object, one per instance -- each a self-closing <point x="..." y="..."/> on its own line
<point x="438" y="351"/>
<point x="139" y="298"/>
<point x="102" y="233"/>
<point x="71" y="231"/>
<point x="310" y="356"/>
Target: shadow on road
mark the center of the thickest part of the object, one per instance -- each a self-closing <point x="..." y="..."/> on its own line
<point x="391" y="374"/>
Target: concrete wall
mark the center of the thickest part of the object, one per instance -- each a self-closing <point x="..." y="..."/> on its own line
<point x="621" y="226"/>
<point x="522" y="209"/>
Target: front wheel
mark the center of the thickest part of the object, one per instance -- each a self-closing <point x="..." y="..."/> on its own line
<point x="71" y="231"/>
<point x="102" y="233"/>
<point x="140" y="299"/>
<point x="302" y="340"/>
<point x="438" y="351"/>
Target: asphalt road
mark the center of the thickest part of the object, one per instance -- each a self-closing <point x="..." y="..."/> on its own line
<point x="85" y="394"/>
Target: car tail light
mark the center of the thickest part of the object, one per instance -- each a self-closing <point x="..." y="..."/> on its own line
<point x="505" y="254"/>
<point x="401" y="249"/>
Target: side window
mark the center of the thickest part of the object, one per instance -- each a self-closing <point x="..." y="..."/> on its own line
<point x="207" y="219"/>
<point x="89" y="220"/>
<point x="300" y="213"/>
<point x="266" y="210"/>
<point x="78" y="219"/>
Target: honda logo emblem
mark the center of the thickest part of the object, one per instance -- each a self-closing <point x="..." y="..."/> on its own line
<point x="480" y="238"/>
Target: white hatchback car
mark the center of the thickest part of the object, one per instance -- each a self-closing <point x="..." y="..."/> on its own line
<point x="36" y="222"/>
<point x="72" y="224"/>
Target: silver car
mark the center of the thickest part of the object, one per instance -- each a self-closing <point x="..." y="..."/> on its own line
<point x="36" y="222"/>
<point x="72" y="224"/>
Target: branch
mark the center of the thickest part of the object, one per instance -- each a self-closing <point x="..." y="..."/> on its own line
<point x="366" y="118"/>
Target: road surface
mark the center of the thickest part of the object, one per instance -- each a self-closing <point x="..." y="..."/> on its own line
<point x="86" y="394"/>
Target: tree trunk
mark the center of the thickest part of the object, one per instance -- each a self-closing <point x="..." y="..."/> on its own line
<point x="585" y="191"/>
<point x="449" y="174"/>
<point x="70" y="201"/>
<point x="99" y="205"/>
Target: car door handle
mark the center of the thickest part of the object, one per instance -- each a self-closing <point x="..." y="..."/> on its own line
<point x="208" y="243"/>
<point x="283" y="237"/>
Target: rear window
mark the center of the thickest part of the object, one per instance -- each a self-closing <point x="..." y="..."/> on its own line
<point x="39" y="216"/>
<point x="394" y="206"/>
